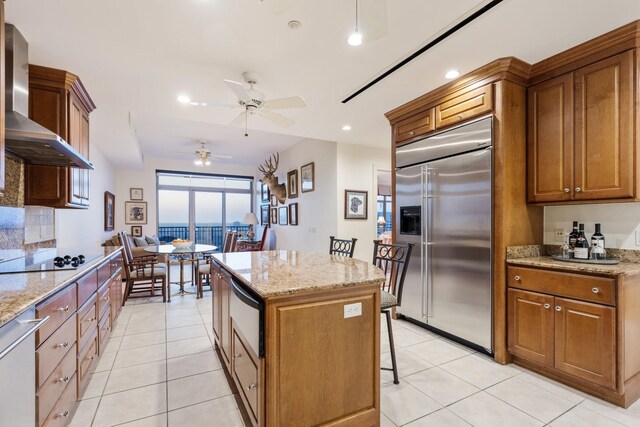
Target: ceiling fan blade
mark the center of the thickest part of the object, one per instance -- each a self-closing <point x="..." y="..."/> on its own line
<point x="205" y="104"/>
<point x="221" y="156"/>
<point x="276" y="118"/>
<point x="239" y="120"/>
<point x="239" y="90"/>
<point x="282" y="103"/>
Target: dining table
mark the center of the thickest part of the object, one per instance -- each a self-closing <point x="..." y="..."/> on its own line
<point x="190" y="254"/>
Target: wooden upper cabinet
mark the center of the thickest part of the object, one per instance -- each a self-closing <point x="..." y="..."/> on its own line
<point x="420" y="124"/>
<point x="580" y="140"/>
<point x="550" y="140"/>
<point x="59" y="102"/>
<point x="604" y="129"/>
<point x="585" y="339"/>
<point x="530" y="326"/>
<point x="469" y="103"/>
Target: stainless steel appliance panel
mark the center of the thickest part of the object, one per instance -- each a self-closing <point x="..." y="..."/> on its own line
<point x="409" y="190"/>
<point x="458" y="222"/>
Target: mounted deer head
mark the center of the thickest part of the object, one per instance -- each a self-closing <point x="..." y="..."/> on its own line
<point x="269" y="169"/>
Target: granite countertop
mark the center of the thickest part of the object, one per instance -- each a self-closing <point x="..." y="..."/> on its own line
<point x="277" y="273"/>
<point x="622" y="269"/>
<point x="19" y="291"/>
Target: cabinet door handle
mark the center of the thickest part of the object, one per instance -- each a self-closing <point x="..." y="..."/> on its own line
<point x="460" y="116"/>
<point x="251" y="386"/>
<point x="65" y="414"/>
<point x="558" y="308"/>
<point x="595" y="290"/>
<point x="566" y="190"/>
<point x="517" y="278"/>
<point x="63" y="345"/>
<point x="412" y="133"/>
<point x="237" y="356"/>
<point x="64" y="379"/>
<point x="578" y="189"/>
<point x="547" y="306"/>
<point x="92" y="357"/>
<point x="64" y="309"/>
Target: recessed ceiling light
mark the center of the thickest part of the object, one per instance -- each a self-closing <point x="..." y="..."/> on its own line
<point x="294" y="25"/>
<point x="355" y="39"/>
<point x="452" y="74"/>
<point x="184" y="99"/>
<point x="346" y="127"/>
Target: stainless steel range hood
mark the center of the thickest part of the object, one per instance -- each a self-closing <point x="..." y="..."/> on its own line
<point x="25" y="138"/>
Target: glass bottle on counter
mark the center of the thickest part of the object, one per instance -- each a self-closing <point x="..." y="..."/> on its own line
<point x="597" y="237"/>
<point x="581" y="250"/>
<point x="567" y="250"/>
<point x="573" y="238"/>
<point x="598" y="252"/>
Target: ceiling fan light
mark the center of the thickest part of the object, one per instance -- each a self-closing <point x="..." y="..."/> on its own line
<point x="198" y="162"/>
<point x="184" y="99"/>
<point x="355" y="39"/>
<point x="207" y="163"/>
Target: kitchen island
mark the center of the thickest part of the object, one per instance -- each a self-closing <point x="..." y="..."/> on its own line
<point x="299" y="334"/>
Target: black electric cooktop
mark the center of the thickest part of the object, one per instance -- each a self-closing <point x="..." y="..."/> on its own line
<point x="48" y="260"/>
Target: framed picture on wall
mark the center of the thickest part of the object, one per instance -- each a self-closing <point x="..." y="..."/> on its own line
<point x="307" y="177"/>
<point x="274" y="216"/>
<point x="135" y="212"/>
<point x="136" y="230"/>
<point x="264" y="215"/>
<point x="355" y="204"/>
<point x="264" y="192"/>
<point x="109" y="209"/>
<point x="292" y="184"/>
<point x="135" y="194"/>
<point x="274" y="201"/>
<point x="283" y="215"/>
<point x="293" y="214"/>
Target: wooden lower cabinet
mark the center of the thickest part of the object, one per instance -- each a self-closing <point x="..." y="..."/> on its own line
<point x="247" y="370"/>
<point x="531" y="326"/>
<point x="50" y="392"/>
<point x="64" y="408"/>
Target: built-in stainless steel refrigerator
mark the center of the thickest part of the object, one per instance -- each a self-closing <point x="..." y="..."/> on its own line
<point x="443" y="206"/>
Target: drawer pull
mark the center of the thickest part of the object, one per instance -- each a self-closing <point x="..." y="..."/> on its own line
<point x="218" y="276"/>
<point x="65" y="414"/>
<point x="595" y="290"/>
<point x="63" y="345"/>
<point x="547" y="306"/>
<point x="459" y="116"/>
<point x="251" y="386"/>
<point x="517" y="278"/>
<point x="578" y="189"/>
<point x="92" y="357"/>
<point x="63" y="379"/>
<point x="237" y="356"/>
<point x="566" y="190"/>
<point x="63" y="309"/>
<point x="558" y="308"/>
<point x="412" y="133"/>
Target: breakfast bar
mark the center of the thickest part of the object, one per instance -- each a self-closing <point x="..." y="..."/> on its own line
<point x="299" y="334"/>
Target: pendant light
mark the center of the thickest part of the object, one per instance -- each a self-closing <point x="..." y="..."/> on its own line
<point x="355" y="39"/>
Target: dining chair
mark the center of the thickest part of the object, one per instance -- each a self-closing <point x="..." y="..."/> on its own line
<point x="204" y="270"/>
<point x="393" y="261"/>
<point x="344" y="247"/>
<point x="143" y="274"/>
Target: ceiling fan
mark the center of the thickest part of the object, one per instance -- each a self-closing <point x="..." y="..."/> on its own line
<point x="203" y="154"/>
<point x="253" y="103"/>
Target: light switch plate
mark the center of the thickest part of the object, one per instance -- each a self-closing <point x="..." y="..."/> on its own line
<point x="352" y="310"/>
<point x="558" y="235"/>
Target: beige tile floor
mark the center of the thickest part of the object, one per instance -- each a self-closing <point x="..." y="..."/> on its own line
<point x="160" y="369"/>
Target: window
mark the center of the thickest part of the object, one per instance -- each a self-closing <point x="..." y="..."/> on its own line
<point x="201" y="207"/>
<point x="384" y="210"/>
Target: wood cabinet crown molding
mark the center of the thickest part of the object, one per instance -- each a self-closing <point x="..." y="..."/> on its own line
<point x="509" y="69"/>
<point x="61" y="79"/>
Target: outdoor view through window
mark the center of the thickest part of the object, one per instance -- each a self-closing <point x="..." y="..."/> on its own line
<point x="201" y="207"/>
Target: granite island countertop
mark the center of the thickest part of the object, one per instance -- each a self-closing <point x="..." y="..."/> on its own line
<point x="621" y="269"/>
<point x="278" y="273"/>
<point x="19" y="291"/>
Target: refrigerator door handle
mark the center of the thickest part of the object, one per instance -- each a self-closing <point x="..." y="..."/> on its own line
<point x="423" y="191"/>
<point x="426" y="222"/>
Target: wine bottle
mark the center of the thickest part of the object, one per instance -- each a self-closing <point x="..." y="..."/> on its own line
<point x="597" y="237"/>
<point x="581" y="251"/>
<point x="573" y="238"/>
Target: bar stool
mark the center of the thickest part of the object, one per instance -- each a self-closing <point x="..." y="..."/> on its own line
<point x="344" y="247"/>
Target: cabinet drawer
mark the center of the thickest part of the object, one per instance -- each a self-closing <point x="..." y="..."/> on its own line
<point x="414" y="126"/>
<point x="246" y="373"/>
<point x="104" y="272"/>
<point x="63" y="410"/>
<point x="87" y="320"/>
<point x="87" y="286"/>
<point x="104" y="299"/>
<point x="116" y="284"/>
<point x="55" y="385"/>
<point x="116" y="263"/>
<point x="53" y="350"/>
<point x="579" y="286"/>
<point x="59" y="307"/>
<point x="104" y="331"/>
<point x="86" y="358"/>
<point x="464" y="106"/>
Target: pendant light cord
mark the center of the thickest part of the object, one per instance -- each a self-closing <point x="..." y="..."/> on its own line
<point x="357" y="16"/>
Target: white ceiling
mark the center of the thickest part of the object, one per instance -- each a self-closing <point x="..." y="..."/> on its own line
<point x="136" y="57"/>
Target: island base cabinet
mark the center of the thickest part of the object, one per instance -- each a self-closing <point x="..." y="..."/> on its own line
<point x="585" y="341"/>
<point x="247" y="371"/>
<point x="65" y="407"/>
<point x="311" y="347"/>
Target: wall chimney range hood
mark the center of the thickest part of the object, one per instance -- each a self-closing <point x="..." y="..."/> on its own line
<point x="25" y="138"/>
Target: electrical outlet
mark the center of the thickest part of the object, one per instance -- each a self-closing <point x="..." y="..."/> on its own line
<point x="558" y="235"/>
<point x="353" y="310"/>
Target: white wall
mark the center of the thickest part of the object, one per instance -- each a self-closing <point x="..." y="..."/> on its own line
<point x="85" y="227"/>
<point x="357" y="168"/>
<point x="619" y="222"/>
<point x="315" y="208"/>
<point x="146" y="179"/>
